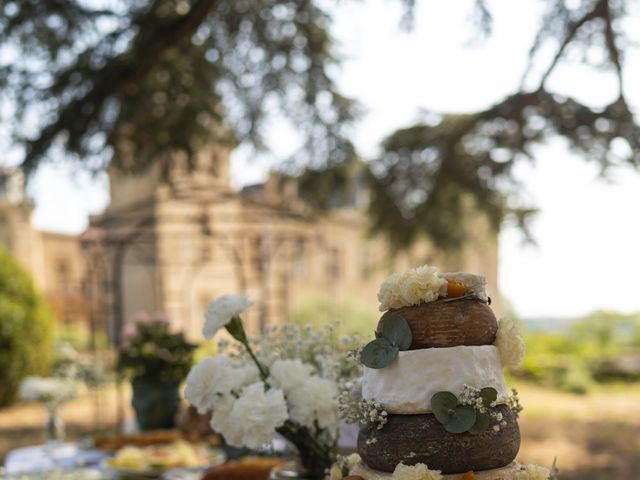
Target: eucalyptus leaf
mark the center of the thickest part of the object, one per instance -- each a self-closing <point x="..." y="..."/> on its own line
<point x="488" y="395"/>
<point x="379" y="353"/>
<point x="443" y="405"/>
<point x="482" y="423"/>
<point x="396" y="329"/>
<point x="463" y="418"/>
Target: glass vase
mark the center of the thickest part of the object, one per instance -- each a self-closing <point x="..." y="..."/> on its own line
<point x="289" y="471"/>
<point x="54" y="426"/>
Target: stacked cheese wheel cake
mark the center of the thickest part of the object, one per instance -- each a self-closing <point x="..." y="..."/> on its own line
<point x="435" y="374"/>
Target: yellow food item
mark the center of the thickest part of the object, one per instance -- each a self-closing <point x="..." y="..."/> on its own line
<point x="173" y="455"/>
<point x="468" y="476"/>
<point x="455" y="289"/>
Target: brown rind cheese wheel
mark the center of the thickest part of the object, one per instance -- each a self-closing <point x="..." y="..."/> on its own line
<point x="415" y="439"/>
<point x="448" y="324"/>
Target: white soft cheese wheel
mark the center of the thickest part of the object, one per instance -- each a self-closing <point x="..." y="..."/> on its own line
<point x="408" y="383"/>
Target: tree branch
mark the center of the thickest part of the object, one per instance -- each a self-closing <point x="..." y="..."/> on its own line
<point x="122" y="71"/>
<point x="597" y="12"/>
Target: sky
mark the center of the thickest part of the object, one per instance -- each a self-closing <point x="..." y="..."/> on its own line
<point x="587" y="232"/>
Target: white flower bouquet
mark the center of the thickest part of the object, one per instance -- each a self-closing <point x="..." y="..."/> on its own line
<point x="285" y="382"/>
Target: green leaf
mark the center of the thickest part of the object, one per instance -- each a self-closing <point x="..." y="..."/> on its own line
<point x="443" y="405"/>
<point x="236" y="329"/>
<point x="463" y="418"/>
<point x="396" y="329"/>
<point x="482" y="423"/>
<point x="379" y="353"/>
<point x="488" y="395"/>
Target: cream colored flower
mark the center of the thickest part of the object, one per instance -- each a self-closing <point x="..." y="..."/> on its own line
<point x="510" y="343"/>
<point x="335" y="472"/>
<point x="289" y="374"/>
<point x="532" y="472"/>
<point x="256" y="415"/>
<point x="419" y="471"/>
<point x="220" y="312"/>
<point x="352" y="460"/>
<point x="316" y="400"/>
<point x="411" y="287"/>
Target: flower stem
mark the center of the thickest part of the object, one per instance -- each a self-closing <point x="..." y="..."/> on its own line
<point x="264" y="374"/>
<point x="315" y="457"/>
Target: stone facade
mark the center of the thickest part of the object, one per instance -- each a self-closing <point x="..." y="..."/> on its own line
<point x="56" y="262"/>
<point x="172" y="242"/>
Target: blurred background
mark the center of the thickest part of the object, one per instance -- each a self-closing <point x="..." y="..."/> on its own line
<point x="159" y="153"/>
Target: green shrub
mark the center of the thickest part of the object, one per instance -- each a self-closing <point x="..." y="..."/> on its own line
<point x="26" y="329"/>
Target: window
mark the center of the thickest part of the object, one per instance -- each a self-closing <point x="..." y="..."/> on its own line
<point x="366" y="267"/>
<point x="333" y="264"/>
<point x="300" y="259"/>
<point x="63" y="273"/>
<point x="257" y="260"/>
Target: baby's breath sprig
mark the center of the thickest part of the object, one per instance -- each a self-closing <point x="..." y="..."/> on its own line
<point x="354" y="409"/>
<point x="513" y="402"/>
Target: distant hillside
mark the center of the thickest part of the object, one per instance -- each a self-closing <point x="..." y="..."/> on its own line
<point x="548" y="324"/>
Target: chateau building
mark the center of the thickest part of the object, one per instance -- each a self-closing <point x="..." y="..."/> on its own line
<point x="171" y="242"/>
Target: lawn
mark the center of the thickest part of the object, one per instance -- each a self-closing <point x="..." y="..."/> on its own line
<point x="593" y="436"/>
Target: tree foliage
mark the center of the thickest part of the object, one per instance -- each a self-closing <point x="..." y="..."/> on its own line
<point x="26" y="329"/>
<point x="422" y="182"/>
<point x="139" y="78"/>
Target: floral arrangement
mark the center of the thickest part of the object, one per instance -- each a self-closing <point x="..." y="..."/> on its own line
<point x="285" y="382"/>
<point x="70" y="364"/>
<point x="510" y="343"/>
<point x="152" y="351"/>
<point x="51" y="391"/>
<point x="427" y="284"/>
<point x="411" y="287"/>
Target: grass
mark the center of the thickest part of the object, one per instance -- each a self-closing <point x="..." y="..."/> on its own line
<point x="593" y="436"/>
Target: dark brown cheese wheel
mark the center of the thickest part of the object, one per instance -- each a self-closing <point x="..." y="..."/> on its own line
<point x="415" y="439"/>
<point x="448" y="324"/>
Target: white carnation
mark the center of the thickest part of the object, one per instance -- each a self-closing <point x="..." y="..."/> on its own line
<point x="254" y="417"/>
<point x="532" y="472"/>
<point x="510" y="343"/>
<point x="315" y="401"/>
<point x="419" y="471"/>
<point x="289" y="374"/>
<point x="215" y="376"/>
<point x="220" y="312"/>
<point x="221" y="421"/>
<point x="412" y="287"/>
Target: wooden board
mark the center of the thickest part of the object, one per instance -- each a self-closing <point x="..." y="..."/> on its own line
<point x="415" y="439"/>
<point x="448" y="324"/>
